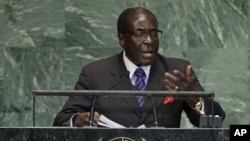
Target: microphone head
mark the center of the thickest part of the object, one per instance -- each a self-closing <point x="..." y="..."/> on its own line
<point x="124" y="74"/>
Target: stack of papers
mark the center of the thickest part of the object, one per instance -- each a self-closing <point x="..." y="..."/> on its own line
<point x="106" y="122"/>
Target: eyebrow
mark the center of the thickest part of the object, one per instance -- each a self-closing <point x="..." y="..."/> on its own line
<point x="145" y="29"/>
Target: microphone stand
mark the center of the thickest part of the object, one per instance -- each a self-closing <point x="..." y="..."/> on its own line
<point x="155" y="112"/>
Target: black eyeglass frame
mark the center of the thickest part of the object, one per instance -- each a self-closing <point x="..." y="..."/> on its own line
<point x="154" y="34"/>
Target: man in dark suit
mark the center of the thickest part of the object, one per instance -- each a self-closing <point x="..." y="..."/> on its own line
<point x="138" y="35"/>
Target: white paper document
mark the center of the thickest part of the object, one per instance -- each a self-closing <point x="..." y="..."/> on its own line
<point x="106" y="122"/>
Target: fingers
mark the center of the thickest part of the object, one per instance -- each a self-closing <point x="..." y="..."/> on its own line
<point x="83" y="119"/>
<point x="179" y="81"/>
<point x="170" y="85"/>
<point x="174" y="81"/>
<point x="80" y="119"/>
<point x="96" y="117"/>
<point x="189" y="72"/>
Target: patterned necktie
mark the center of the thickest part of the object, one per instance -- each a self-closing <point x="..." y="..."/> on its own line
<point x="140" y="84"/>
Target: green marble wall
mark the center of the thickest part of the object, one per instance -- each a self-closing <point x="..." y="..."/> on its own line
<point x="44" y="44"/>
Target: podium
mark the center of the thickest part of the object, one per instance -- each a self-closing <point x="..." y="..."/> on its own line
<point x="114" y="134"/>
<point x="107" y="134"/>
<point x="205" y="121"/>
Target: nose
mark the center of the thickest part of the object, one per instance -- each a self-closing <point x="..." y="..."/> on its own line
<point x="148" y="39"/>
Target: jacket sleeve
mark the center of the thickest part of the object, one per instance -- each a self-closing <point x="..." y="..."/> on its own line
<point x="75" y="104"/>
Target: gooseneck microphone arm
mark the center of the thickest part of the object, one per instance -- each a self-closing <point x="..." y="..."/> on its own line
<point x="123" y="75"/>
<point x="92" y="112"/>
<point x="155" y="112"/>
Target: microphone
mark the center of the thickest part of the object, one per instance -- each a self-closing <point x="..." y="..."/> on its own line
<point x="123" y="75"/>
<point x="211" y="121"/>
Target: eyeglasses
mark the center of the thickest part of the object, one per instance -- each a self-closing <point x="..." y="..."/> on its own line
<point x="142" y="34"/>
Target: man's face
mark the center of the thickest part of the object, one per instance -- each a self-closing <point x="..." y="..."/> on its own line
<point x="140" y="50"/>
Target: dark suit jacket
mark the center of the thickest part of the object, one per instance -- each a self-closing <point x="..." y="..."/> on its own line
<point x="102" y="74"/>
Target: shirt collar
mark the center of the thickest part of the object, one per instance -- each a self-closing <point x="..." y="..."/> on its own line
<point x="131" y="67"/>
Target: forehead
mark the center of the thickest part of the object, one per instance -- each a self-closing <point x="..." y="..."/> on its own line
<point x="142" y="19"/>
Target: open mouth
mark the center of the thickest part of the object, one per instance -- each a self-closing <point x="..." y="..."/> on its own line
<point x="148" y="53"/>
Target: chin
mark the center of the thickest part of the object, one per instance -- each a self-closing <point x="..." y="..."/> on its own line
<point x="147" y="62"/>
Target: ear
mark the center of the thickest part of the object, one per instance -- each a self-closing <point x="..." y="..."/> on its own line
<point x="121" y="38"/>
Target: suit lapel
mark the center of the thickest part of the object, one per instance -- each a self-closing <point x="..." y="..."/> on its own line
<point x="124" y="84"/>
<point x="156" y="76"/>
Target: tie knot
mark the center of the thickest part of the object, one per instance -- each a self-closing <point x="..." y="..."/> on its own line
<point x="139" y="72"/>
